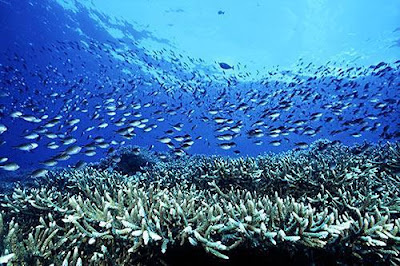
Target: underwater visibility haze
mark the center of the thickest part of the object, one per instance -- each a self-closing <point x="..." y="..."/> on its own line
<point x="156" y="132"/>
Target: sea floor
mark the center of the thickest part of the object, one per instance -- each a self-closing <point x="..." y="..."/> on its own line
<point x="327" y="205"/>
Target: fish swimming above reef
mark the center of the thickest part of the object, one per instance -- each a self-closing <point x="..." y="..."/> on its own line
<point x="3" y="129"/>
<point x="10" y="167"/>
<point x="27" y="146"/>
<point x="66" y="109"/>
<point x="39" y="173"/>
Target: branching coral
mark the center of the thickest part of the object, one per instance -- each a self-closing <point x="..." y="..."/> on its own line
<point x="294" y="202"/>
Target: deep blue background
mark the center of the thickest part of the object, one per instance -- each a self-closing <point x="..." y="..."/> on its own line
<point x="38" y="37"/>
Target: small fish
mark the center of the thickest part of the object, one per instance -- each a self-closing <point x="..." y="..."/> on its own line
<point x="73" y="150"/>
<point x="147" y="129"/>
<point x="301" y="145"/>
<point x="179" y="138"/>
<point x="258" y="142"/>
<point x="274" y="115"/>
<point x="103" y="145"/>
<point x="73" y="121"/>
<point x="164" y="140"/>
<point x="103" y="125"/>
<point x="80" y="164"/>
<point x="31" y="118"/>
<point x="10" y="166"/>
<point x="16" y="114"/>
<point x="219" y="120"/>
<point x="32" y="136"/>
<point x="52" y="145"/>
<point x="257" y="133"/>
<point x="3" y="129"/>
<point x="275" y="143"/>
<point x="62" y="157"/>
<point x="99" y="139"/>
<point x="49" y="162"/>
<point x="68" y="140"/>
<point x="39" y="173"/>
<point x="51" y="135"/>
<point x="227" y="145"/>
<point x="178" y="126"/>
<point x="226" y="137"/>
<point x="27" y="146"/>
<point x="171" y="145"/>
<point x="179" y="152"/>
<point x="90" y="153"/>
<point x="225" y="66"/>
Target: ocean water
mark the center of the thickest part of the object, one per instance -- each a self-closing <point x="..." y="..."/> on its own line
<point x="293" y="100"/>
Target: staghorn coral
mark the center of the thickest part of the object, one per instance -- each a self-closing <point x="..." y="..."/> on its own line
<point x="296" y="202"/>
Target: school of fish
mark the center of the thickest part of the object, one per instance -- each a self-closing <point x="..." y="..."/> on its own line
<point x="87" y="99"/>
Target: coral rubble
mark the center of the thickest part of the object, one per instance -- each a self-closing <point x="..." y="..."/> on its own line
<point x="330" y="199"/>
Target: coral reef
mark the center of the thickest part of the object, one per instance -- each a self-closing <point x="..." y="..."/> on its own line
<point x="128" y="160"/>
<point x="330" y="199"/>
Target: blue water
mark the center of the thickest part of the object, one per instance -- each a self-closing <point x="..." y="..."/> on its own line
<point x="294" y="76"/>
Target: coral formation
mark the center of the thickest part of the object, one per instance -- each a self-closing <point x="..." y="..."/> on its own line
<point x="333" y="199"/>
<point x="128" y="160"/>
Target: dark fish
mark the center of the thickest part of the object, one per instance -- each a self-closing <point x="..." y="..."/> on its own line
<point x="225" y="66"/>
<point x="39" y="173"/>
<point x="80" y="164"/>
<point x="301" y="145"/>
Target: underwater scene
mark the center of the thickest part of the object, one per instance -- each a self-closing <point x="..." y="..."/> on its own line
<point x="149" y="132"/>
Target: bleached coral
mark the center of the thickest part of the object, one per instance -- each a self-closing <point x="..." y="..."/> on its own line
<point x="295" y="201"/>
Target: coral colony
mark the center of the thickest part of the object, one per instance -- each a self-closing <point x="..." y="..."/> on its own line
<point x="331" y="199"/>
